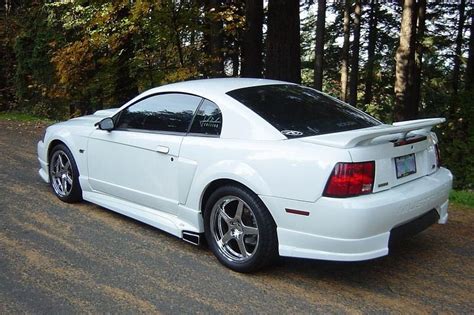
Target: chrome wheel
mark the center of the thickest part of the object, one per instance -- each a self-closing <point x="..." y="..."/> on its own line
<point x="234" y="228"/>
<point x="61" y="173"/>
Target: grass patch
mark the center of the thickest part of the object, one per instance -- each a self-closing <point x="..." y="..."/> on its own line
<point x="15" y="116"/>
<point x="463" y="197"/>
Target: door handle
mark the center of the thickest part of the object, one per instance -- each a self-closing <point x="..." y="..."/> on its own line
<point x="162" y="149"/>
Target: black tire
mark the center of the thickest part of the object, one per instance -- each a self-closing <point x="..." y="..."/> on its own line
<point x="266" y="249"/>
<point x="73" y="192"/>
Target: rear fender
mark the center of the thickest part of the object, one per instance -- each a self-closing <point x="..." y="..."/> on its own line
<point x="227" y="169"/>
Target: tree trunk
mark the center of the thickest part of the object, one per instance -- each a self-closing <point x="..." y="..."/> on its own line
<point x="417" y="70"/>
<point x="371" y="52"/>
<point x="283" y="60"/>
<point x="345" y="50"/>
<point x="354" y="81"/>
<point x="175" y="10"/>
<point x="235" y="60"/>
<point x="319" y="51"/>
<point x="458" y="52"/>
<point x="252" y="64"/>
<point x="214" y="38"/>
<point x="404" y="61"/>
<point x="470" y="58"/>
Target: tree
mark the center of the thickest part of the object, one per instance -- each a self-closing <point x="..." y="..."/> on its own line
<point x="8" y="57"/>
<point x="345" y="50"/>
<point x="470" y="59"/>
<point x="283" y="41"/>
<point x="369" y="77"/>
<point x="214" y="37"/>
<point x="319" y="50"/>
<point x="458" y="50"/>
<point x="252" y="64"/>
<point x="418" y="65"/>
<point x="404" y="61"/>
<point x="354" y="80"/>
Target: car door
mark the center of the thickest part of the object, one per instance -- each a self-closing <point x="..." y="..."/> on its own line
<point x="136" y="161"/>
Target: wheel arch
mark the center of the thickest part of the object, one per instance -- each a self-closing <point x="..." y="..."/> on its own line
<point x="51" y="146"/>
<point x="216" y="183"/>
<point x="71" y="144"/>
<point x="62" y="136"/>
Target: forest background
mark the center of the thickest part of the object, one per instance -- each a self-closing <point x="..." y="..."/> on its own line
<point x="396" y="60"/>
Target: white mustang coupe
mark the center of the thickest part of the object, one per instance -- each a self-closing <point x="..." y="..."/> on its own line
<point x="261" y="168"/>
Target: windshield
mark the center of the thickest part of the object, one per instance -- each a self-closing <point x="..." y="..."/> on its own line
<point x="298" y="111"/>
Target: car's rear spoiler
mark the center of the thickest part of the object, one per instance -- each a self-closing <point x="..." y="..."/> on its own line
<point x="377" y="134"/>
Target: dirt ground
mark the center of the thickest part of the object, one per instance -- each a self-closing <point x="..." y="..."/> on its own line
<point x="56" y="257"/>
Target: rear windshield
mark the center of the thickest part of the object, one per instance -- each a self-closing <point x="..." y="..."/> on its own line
<point x="297" y="111"/>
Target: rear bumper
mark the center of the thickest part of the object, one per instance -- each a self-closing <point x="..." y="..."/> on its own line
<point x="357" y="228"/>
<point x="414" y="227"/>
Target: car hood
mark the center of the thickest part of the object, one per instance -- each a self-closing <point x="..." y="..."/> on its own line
<point x="90" y="120"/>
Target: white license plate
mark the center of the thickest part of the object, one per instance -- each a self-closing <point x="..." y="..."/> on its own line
<point x="405" y="165"/>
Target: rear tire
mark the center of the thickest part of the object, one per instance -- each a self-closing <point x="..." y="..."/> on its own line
<point x="64" y="175"/>
<point x="239" y="229"/>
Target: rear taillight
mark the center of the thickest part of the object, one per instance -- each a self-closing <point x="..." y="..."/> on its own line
<point x="438" y="156"/>
<point x="350" y="179"/>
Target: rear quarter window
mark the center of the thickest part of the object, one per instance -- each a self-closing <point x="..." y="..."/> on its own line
<point x="208" y="120"/>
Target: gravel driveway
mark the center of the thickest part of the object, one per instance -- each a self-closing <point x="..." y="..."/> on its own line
<point x="56" y="257"/>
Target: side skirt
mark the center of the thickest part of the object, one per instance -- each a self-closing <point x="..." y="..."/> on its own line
<point x="161" y="220"/>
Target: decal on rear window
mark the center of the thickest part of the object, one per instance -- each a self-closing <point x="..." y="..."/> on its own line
<point x="291" y="133"/>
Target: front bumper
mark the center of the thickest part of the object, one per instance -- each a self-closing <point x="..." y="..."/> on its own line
<point x="356" y="228"/>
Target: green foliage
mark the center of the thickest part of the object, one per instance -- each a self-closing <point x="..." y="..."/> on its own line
<point x="74" y="57"/>
<point x="457" y="139"/>
<point x="17" y="116"/>
<point x="464" y="197"/>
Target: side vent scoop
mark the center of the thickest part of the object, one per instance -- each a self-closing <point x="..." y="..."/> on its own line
<point x="191" y="237"/>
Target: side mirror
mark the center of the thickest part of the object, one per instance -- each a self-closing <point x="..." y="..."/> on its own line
<point x="106" y="124"/>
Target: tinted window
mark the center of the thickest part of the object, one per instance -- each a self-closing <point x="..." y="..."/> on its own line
<point x="208" y="119"/>
<point x="297" y="111"/>
<point x="164" y="112"/>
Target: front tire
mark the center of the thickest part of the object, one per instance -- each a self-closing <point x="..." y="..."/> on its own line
<point x="64" y="175"/>
<point x="239" y="229"/>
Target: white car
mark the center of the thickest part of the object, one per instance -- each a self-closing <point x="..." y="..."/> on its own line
<point x="260" y="167"/>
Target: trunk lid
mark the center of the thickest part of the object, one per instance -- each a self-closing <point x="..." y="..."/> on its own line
<point x="402" y="152"/>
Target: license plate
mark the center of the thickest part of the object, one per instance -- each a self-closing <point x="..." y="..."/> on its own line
<point x="405" y="165"/>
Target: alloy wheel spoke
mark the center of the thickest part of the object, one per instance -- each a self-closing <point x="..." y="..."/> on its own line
<point x="60" y="161"/>
<point x="248" y="230"/>
<point x="238" y="212"/>
<point x="242" y="249"/>
<point x="226" y="238"/>
<point x="64" y="184"/>
<point x="60" y="185"/>
<point x="57" y="165"/>
<point x="66" y="166"/>
<point x="224" y="215"/>
<point x="69" y="179"/>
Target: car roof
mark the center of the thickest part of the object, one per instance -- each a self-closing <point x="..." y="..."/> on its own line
<point x="207" y="87"/>
<point x="240" y="121"/>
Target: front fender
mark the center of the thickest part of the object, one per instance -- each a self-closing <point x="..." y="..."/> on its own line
<point x="75" y="142"/>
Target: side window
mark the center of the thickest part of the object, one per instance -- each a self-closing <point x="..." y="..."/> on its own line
<point x="165" y="112"/>
<point x="208" y="119"/>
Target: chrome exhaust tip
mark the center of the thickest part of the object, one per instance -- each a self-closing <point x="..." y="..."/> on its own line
<point x="191" y="237"/>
